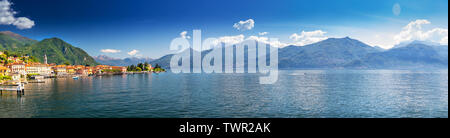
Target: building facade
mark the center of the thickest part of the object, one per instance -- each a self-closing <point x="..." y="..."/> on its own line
<point x="37" y="68"/>
<point x="18" y="68"/>
<point x="60" y="70"/>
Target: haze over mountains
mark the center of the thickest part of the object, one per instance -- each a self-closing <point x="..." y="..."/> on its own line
<point x="353" y="54"/>
<point x="106" y="60"/>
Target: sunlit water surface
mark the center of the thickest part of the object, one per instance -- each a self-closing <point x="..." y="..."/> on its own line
<point x="297" y="94"/>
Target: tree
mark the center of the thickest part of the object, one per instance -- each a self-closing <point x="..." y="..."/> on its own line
<point x="138" y="69"/>
<point x="132" y="67"/>
<point x="158" y="68"/>
<point x="67" y="63"/>
<point x="3" y="57"/>
<point x="6" y="53"/>
<point x="5" y="78"/>
<point x="146" y="66"/>
<point x="140" y="65"/>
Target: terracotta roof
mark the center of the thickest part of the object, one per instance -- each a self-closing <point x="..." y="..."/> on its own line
<point x="17" y="63"/>
<point x="37" y="64"/>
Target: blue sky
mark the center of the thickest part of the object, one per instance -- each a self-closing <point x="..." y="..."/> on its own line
<point x="149" y="26"/>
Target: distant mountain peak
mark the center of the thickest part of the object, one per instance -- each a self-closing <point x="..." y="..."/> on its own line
<point x="341" y="39"/>
<point x="345" y="41"/>
<point x="53" y="39"/>
<point x="104" y="57"/>
<point x="14" y="35"/>
<point x="107" y="60"/>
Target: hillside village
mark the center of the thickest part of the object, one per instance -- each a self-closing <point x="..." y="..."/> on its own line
<point x="14" y="68"/>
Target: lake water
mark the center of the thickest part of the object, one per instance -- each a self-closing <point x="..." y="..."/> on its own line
<point x="297" y="94"/>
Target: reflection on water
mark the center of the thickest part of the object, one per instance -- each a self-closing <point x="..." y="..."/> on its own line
<point x="298" y="93"/>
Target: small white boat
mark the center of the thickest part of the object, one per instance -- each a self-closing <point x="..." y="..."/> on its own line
<point x="75" y="78"/>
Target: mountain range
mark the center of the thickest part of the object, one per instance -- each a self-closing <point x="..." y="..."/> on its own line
<point x="106" y="60"/>
<point x="353" y="54"/>
<point x="57" y="50"/>
<point x="330" y="53"/>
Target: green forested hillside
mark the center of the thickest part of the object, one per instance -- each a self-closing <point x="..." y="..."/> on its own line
<point x="12" y="42"/>
<point x="57" y="50"/>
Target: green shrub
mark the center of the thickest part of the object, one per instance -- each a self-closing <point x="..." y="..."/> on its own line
<point x="5" y="78"/>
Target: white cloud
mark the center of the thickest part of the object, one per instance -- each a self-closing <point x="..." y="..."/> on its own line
<point x="299" y="39"/>
<point x="133" y="52"/>
<point x="110" y="51"/>
<point x="7" y="17"/>
<point x="274" y="43"/>
<point x="259" y="39"/>
<point x="184" y="35"/>
<point x="414" y="31"/>
<point x="231" y="39"/>
<point x="263" y="33"/>
<point x="245" y="25"/>
<point x="306" y="38"/>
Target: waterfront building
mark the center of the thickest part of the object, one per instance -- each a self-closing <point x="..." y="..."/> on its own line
<point x="18" y="67"/>
<point x="52" y="67"/>
<point x="70" y="70"/>
<point x="60" y="70"/>
<point x="77" y="67"/>
<point x="82" y="72"/>
<point x="100" y="67"/>
<point x="89" y="70"/>
<point x="38" y="68"/>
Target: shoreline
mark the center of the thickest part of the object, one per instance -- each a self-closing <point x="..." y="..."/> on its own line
<point x="26" y="81"/>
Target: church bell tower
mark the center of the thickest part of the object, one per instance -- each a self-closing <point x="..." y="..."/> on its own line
<point x="45" y="59"/>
